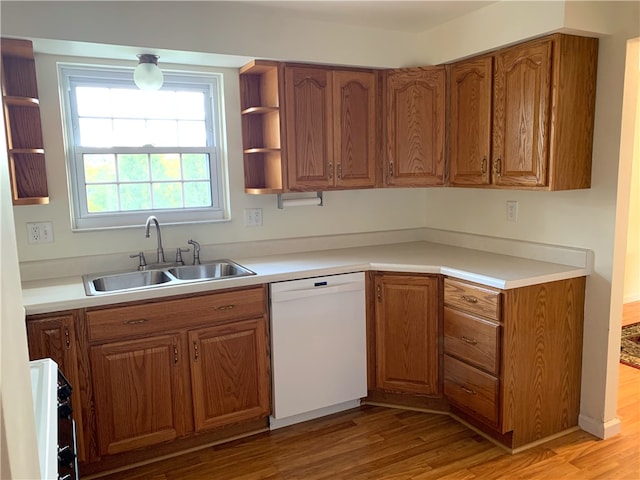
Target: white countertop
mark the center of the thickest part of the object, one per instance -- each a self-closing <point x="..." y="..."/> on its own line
<point x="487" y="268"/>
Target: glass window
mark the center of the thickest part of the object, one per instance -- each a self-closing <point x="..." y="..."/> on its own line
<point x="132" y="153"/>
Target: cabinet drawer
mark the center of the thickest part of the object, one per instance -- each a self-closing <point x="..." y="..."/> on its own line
<point x="471" y="389"/>
<point x="472" y="339"/>
<point x="162" y="316"/>
<point x="472" y="298"/>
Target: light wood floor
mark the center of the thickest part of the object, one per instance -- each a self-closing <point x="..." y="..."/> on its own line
<point x="379" y="443"/>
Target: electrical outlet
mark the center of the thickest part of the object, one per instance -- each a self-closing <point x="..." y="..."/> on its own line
<point x="512" y="211"/>
<point x="253" y="217"/>
<point x="41" y="232"/>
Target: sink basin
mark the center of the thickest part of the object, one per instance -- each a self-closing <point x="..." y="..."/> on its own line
<point x="127" y="281"/>
<point x="209" y="271"/>
<point x="181" y="274"/>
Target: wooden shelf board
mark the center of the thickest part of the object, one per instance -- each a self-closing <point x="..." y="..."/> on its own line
<point x="263" y="191"/>
<point x="31" y="201"/>
<point x="259" y="110"/>
<point x="21" y="101"/>
<point x="261" y="150"/>
<point x="27" y="150"/>
<point x="257" y="67"/>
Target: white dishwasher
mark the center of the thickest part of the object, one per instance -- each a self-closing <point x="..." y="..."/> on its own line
<point x="318" y="354"/>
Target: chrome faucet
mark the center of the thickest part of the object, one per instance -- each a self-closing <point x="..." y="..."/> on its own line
<point x="160" y="251"/>
<point x="196" y="251"/>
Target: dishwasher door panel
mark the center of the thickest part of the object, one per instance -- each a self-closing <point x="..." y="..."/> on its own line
<point x="318" y="343"/>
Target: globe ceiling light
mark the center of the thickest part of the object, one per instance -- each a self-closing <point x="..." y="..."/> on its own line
<point x="147" y="74"/>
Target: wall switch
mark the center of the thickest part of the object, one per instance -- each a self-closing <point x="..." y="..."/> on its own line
<point x="253" y="217"/>
<point x="41" y="232"/>
<point x="512" y="211"/>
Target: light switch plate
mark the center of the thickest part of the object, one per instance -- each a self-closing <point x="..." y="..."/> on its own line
<point x="512" y="211"/>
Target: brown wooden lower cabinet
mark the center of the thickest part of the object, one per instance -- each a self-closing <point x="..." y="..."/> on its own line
<point x="229" y="377"/>
<point x="138" y="391"/>
<point x="513" y="357"/>
<point x="404" y="330"/>
<point x="54" y="336"/>
<point x="154" y="377"/>
<point x="160" y="376"/>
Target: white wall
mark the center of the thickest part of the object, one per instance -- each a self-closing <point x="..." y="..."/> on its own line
<point x="632" y="257"/>
<point x="579" y="218"/>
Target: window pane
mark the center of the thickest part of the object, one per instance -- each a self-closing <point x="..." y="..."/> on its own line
<point x="197" y="194"/>
<point x="133" y="168"/>
<point x="191" y="134"/>
<point x="99" y="168"/>
<point x="135" y="196"/>
<point x="167" y="195"/>
<point x="128" y="133"/>
<point x="190" y="105"/>
<point x="127" y="103"/>
<point x="162" y="133"/>
<point x="160" y="104"/>
<point x="93" y="101"/>
<point x="195" y="166"/>
<point x="166" y="167"/>
<point x="102" y="198"/>
<point x="95" y="132"/>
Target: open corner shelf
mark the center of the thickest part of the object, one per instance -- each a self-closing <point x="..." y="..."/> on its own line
<point x="261" y="127"/>
<point x="23" y="128"/>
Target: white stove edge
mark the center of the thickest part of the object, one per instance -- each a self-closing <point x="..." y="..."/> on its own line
<point x="44" y="384"/>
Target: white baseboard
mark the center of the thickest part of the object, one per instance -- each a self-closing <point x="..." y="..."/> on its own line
<point x="303" y="417"/>
<point x="602" y="430"/>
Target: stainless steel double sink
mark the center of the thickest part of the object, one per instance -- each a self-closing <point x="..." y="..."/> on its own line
<point x="96" y="284"/>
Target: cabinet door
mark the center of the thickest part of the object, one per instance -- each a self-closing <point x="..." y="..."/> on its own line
<point x="354" y="98"/>
<point x="522" y="90"/>
<point x="415" y="127"/>
<point x="138" y="387"/>
<point x="229" y="373"/>
<point x="309" y="128"/>
<point x="470" y="122"/>
<point x="54" y="337"/>
<point x="406" y="332"/>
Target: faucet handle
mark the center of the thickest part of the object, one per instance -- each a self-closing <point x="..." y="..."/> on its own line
<point x="179" y="253"/>
<point x="196" y="251"/>
<point x="143" y="263"/>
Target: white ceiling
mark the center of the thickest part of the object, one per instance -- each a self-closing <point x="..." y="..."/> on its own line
<point x="407" y="16"/>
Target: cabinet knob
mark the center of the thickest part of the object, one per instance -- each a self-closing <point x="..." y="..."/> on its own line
<point x="498" y="166"/>
<point x="469" y="299"/>
<point x="391" y="169"/>
<point x="467" y="390"/>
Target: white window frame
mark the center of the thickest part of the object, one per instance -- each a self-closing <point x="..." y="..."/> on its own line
<point x="211" y="83"/>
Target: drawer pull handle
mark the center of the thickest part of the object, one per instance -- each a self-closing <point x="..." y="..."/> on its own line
<point x="67" y="338"/>
<point x="470" y="298"/>
<point x="136" y="322"/>
<point x="467" y="390"/>
<point x="226" y="307"/>
<point x="470" y="341"/>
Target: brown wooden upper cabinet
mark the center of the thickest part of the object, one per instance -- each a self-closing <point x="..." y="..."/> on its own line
<point x="25" y="147"/>
<point x="414" y="113"/>
<point x="523" y="116"/>
<point x="330" y="128"/>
